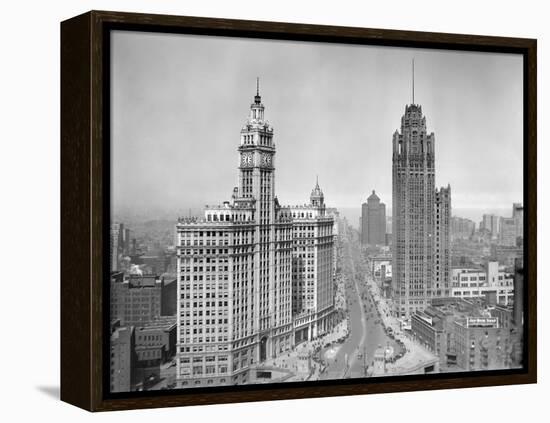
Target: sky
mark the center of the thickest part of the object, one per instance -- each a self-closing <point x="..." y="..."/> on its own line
<point x="178" y="103"/>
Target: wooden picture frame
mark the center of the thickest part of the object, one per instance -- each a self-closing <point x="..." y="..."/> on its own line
<point x="85" y="190"/>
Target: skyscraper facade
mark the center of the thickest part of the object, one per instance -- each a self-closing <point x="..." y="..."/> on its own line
<point x="442" y="254"/>
<point x="491" y="224"/>
<point x="312" y="267"/>
<point x="373" y="221"/>
<point x="235" y="271"/>
<point x="413" y="181"/>
<point x="116" y="245"/>
<point x="508" y="231"/>
<point x="120" y="245"/>
<point x="335" y="214"/>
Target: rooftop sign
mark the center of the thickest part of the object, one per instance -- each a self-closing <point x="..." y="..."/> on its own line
<point x="482" y="322"/>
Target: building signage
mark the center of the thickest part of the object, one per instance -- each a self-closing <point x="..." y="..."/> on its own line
<point x="483" y="322"/>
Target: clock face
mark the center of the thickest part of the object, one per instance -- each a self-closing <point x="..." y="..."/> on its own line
<point x="246" y="159"/>
<point x="266" y="160"/>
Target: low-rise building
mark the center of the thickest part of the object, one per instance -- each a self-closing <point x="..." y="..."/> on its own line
<point x="480" y="343"/>
<point x="430" y="328"/>
<point x="155" y="343"/>
<point x="468" y="333"/>
<point x="477" y="283"/>
<point x="159" y="335"/>
<point x="381" y="268"/>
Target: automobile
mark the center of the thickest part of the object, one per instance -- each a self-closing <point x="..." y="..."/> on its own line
<point x="359" y="355"/>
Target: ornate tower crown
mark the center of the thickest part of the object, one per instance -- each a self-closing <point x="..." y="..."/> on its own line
<point x="414" y="142"/>
<point x="317" y="197"/>
<point x="257" y="108"/>
<point x="257" y="132"/>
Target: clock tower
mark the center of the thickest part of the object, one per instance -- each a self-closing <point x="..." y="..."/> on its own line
<point x="248" y="265"/>
<point x="256" y="162"/>
<point x="257" y="184"/>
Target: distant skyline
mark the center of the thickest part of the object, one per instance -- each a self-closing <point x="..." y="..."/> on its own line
<point x="179" y="102"/>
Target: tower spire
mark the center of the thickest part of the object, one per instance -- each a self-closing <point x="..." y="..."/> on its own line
<point x="257" y="98"/>
<point x="413" y="80"/>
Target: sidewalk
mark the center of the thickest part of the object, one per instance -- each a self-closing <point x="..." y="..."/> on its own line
<point x="415" y="356"/>
<point x="289" y="359"/>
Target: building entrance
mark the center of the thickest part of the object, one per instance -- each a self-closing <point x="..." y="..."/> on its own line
<point x="263" y="348"/>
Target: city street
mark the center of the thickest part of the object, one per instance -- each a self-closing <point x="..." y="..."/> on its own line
<point x="366" y="332"/>
<point x="415" y="356"/>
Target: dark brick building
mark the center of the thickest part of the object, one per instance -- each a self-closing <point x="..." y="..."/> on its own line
<point x="136" y="301"/>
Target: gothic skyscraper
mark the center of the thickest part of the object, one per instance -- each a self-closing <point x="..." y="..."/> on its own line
<point x="413" y="212"/>
<point x="420" y="217"/>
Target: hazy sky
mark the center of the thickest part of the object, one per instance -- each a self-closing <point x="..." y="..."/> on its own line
<point x="179" y="102"/>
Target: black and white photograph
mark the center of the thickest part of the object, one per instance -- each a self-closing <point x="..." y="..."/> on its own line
<point x="293" y="211"/>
